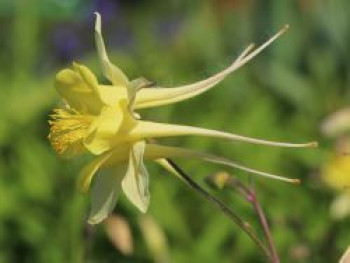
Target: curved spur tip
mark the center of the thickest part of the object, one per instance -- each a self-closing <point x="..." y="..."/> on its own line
<point x="97" y="21"/>
<point x="314" y="144"/>
<point x="286" y="27"/>
<point x="296" y="181"/>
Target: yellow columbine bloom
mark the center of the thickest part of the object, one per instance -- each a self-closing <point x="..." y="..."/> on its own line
<point x="100" y="119"/>
<point x="336" y="174"/>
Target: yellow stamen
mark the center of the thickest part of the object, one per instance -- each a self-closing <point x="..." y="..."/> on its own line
<point x="66" y="128"/>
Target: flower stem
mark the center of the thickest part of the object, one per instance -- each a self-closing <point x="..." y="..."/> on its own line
<point x="245" y="226"/>
<point x="250" y="195"/>
<point x="265" y="226"/>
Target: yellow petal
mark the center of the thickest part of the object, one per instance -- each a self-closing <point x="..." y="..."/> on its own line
<point x="111" y="72"/>
<point x="79" y="87"/>
<point x="135" y="182"/>
<point x="104" y="130"/>
<point x="88" y="77"/>
<point x="153" y="97"/>
<point x="87" y="173"/>
<point x="111" y="95"/>
<point x="154" y="151"/>
<point x="104" y="193"/>
<point x="145" y="129"/>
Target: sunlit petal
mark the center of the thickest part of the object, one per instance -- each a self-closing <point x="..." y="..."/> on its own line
<point x="104" y="128"/>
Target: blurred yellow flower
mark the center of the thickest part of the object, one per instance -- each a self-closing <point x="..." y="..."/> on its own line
<point x="336" y="174"/>
<point x="101" y="120"/>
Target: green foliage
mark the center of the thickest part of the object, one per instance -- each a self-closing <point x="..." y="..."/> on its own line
<point x="283" y="94"/>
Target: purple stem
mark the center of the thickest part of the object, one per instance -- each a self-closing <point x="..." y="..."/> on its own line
<point x="250" y="195"/>
<point x="265" y="225"/>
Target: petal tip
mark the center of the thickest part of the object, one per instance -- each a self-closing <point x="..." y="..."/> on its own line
<point x="97" y="21"/>
<point x="65" y="77"/>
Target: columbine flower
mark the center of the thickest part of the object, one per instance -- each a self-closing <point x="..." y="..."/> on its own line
<point x="335" y="173"/>
<point x="101" y="120"/>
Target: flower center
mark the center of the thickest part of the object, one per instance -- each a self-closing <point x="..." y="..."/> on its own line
<point x="67" y="127"/>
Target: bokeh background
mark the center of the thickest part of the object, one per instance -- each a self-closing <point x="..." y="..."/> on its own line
<point x="286" y="94"/>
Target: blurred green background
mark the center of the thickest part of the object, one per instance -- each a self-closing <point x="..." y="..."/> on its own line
<point x="283" y="94"/>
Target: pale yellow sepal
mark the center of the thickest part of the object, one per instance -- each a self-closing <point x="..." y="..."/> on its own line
<point x="88" y="172"/>
<point x="135" y="182"/>
<point x="111" y="71"/>
<point x="104" y="193"/>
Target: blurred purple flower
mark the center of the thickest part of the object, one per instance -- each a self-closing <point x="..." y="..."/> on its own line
<point x="67" y="46"/>
<point x="114" y="22"/>
<point x="107" y="8"/>
<point x="168" y="29"/>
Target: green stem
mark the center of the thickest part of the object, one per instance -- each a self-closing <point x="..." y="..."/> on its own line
<point x="245" y="226"/>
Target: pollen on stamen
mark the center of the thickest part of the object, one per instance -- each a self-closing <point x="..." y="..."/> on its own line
<point x="66" y="128"/>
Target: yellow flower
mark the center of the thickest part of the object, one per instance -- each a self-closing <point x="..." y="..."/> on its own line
<point x="336" y="174"/>
<point x="101" y="120"/>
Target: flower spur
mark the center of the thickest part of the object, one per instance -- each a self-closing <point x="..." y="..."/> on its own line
<point x="101" y="120"/>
